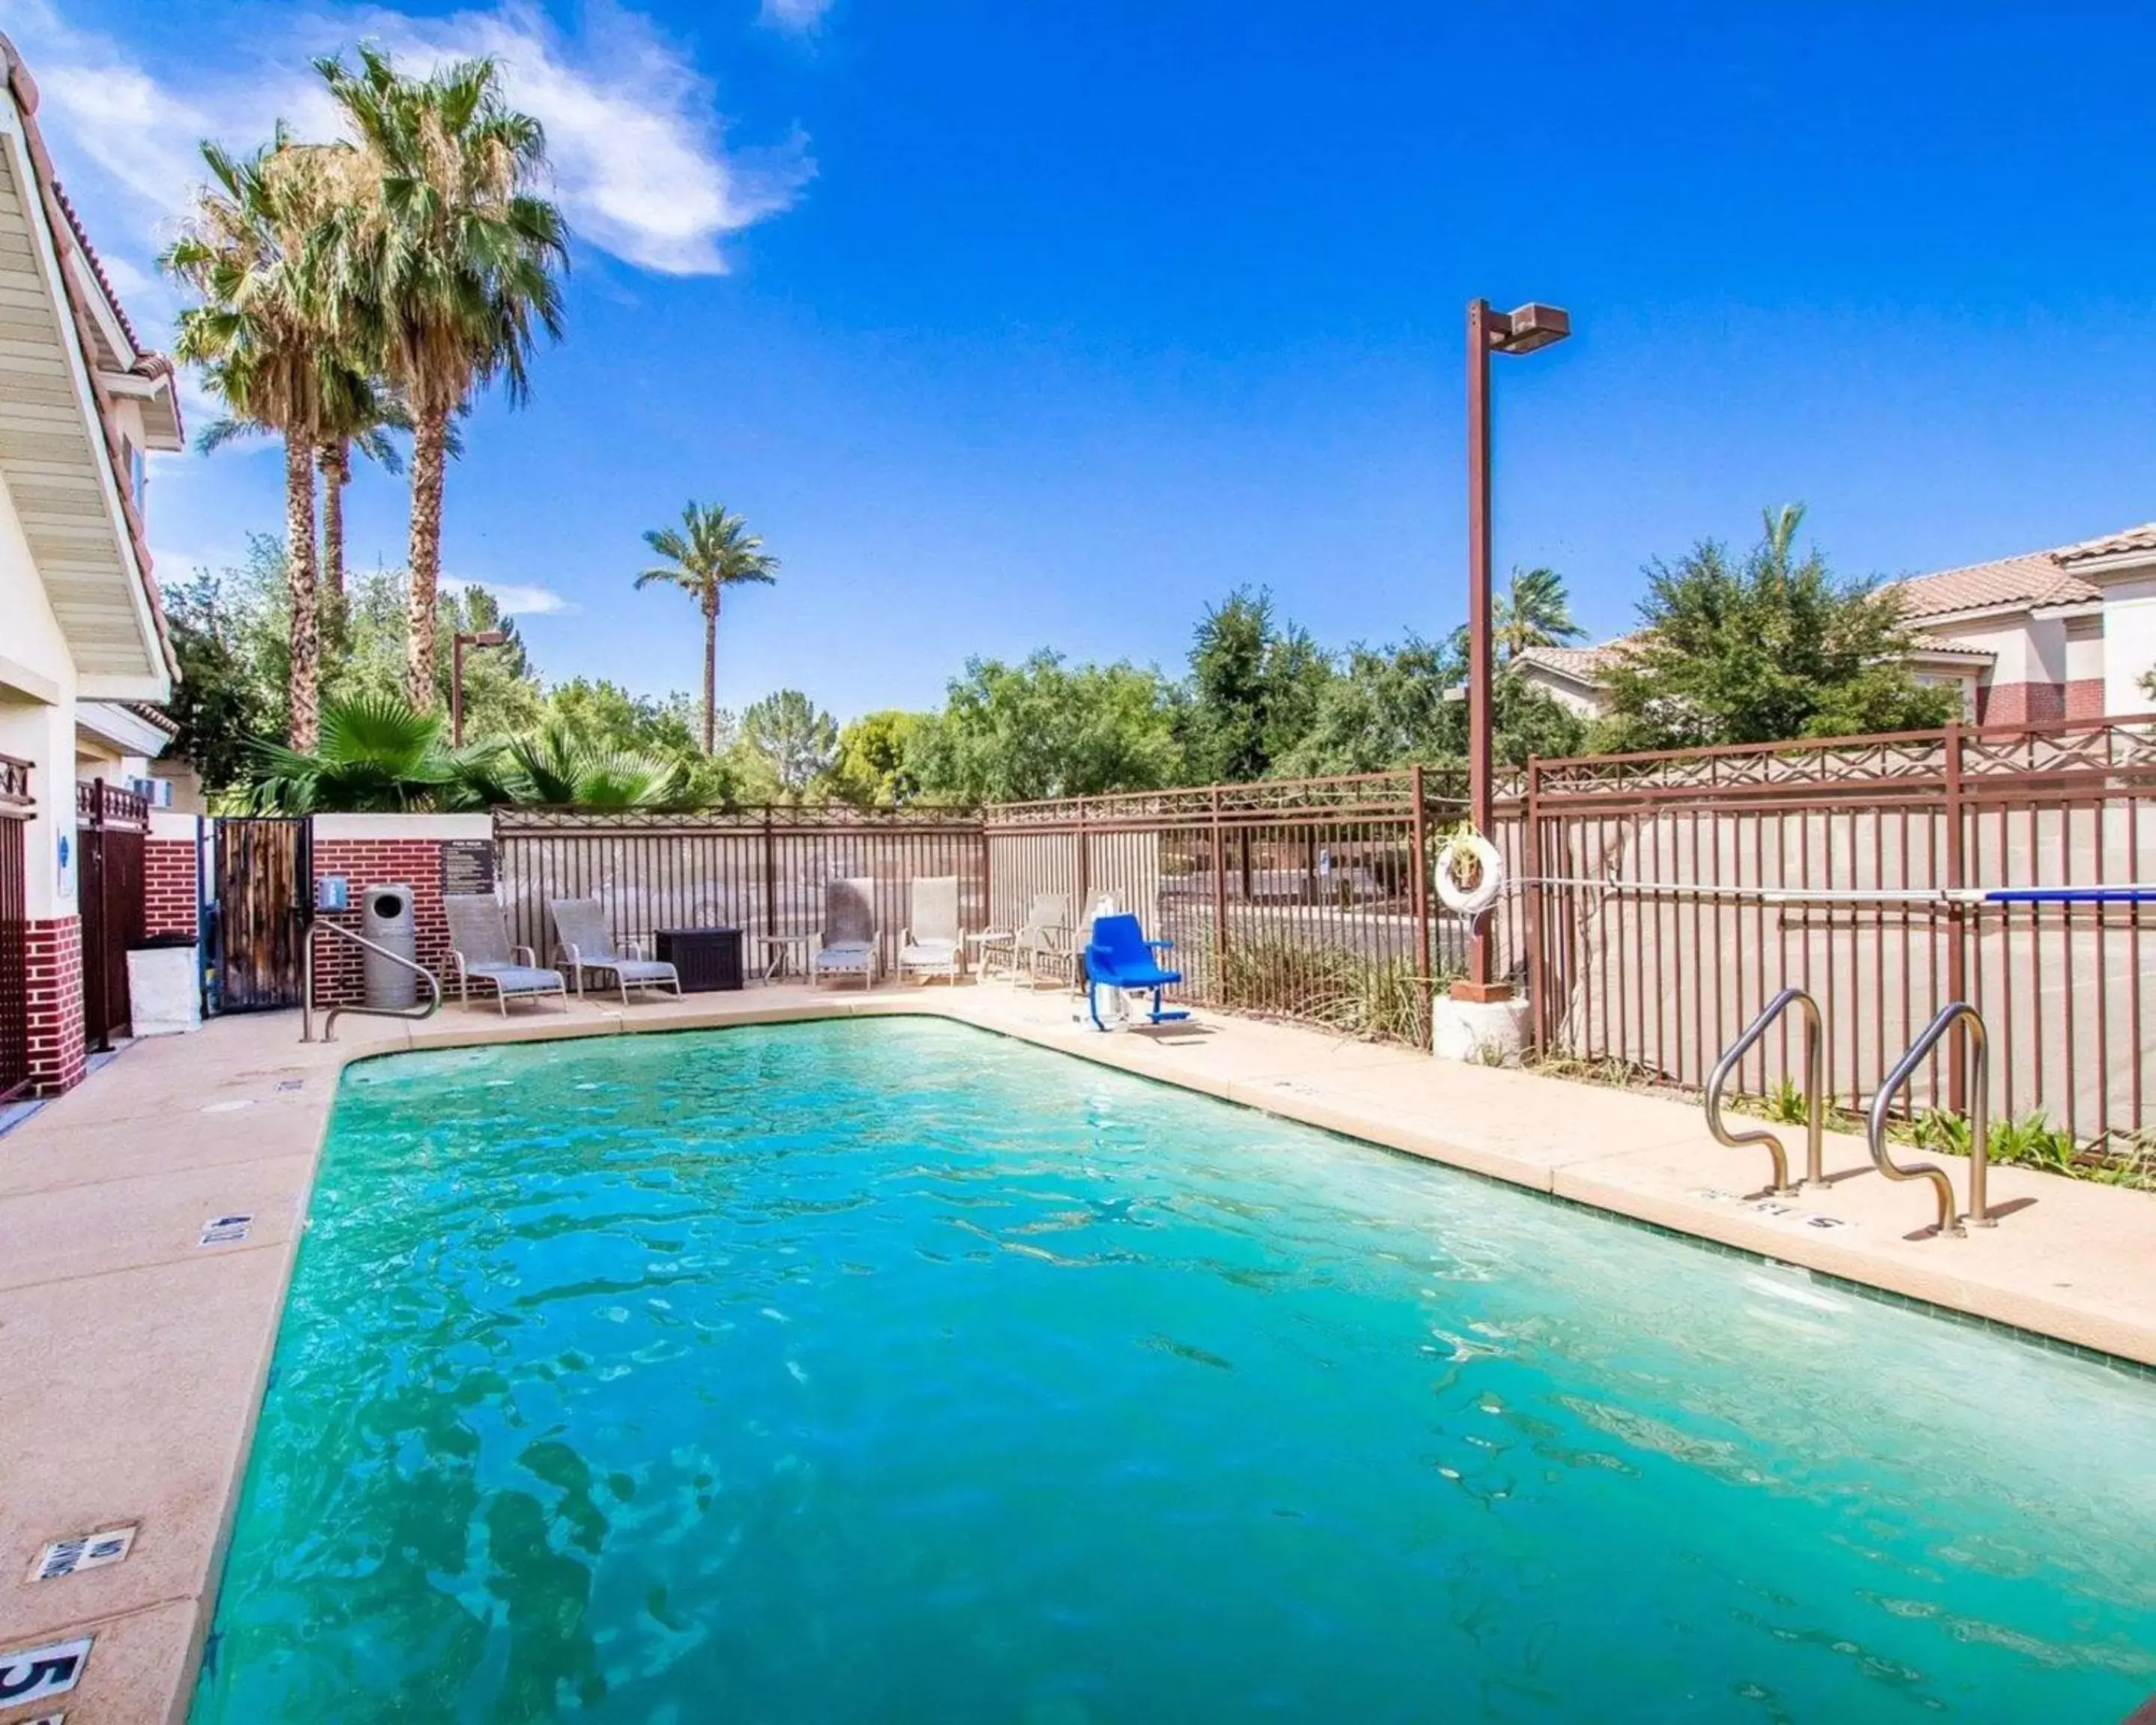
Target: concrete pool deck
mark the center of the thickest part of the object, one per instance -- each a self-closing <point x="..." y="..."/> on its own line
<point x="135" y="1356"/>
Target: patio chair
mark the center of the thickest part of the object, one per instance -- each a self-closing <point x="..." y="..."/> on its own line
<point x="1042" y="940"/>
<point x="582" y="943"/>
<point x="1119" y="956"/>
<point x="846" y="944"/>
<point x="930" y="946"/>
<point x="479" y="948"/>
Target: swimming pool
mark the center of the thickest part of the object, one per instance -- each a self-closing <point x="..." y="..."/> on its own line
<point x="891" y="1370"/>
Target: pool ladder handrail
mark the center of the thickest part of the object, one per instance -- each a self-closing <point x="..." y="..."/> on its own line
<point x="315" y="925"/>
<point x="1954" y="1012"/>
<point x="1814" y="1092"/>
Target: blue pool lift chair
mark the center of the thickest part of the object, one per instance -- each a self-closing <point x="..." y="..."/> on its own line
<point x="1119" y="956"/>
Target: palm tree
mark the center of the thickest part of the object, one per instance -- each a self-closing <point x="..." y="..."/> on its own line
<point x="453" y="257"/>
<point x="711" y="551"/>
<point x="262" y="336"/>
<point x="1533" y="612"/>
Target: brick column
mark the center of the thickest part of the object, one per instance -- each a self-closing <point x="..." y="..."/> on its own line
<point x="416" y="863"/>
<point x="170" y="892"/>
<point x="57" y="1059"/>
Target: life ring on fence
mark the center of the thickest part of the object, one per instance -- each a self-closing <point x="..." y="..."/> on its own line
<point x="1490" y="879"/>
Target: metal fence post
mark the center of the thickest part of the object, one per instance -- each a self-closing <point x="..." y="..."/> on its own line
<point x="1219" y="903"/>
<point x="1956" y="922"/>
<point x="1531" y="889"/>
<point x="1419" y="897"/>
<point x="770" y="878"/>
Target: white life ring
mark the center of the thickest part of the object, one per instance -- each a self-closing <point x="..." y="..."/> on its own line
<point x="1463" y="900"/>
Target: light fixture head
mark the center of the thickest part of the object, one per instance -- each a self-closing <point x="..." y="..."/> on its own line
<point x="1530" y="326"/>
<point x="489" y="638"/>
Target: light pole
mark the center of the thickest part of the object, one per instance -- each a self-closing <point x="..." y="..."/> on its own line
<point x="1488" y="332"/>
<point x="457" y="643"/>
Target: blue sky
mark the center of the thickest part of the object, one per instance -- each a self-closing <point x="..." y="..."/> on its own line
<point x="1018" y="325"/>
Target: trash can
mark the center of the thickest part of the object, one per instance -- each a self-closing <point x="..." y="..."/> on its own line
<point x="386" y="919"/>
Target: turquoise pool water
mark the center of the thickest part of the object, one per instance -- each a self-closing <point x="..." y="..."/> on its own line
<point x="892" y="1371"/>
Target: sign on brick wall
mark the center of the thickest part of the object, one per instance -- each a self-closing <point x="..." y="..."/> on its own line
<point x="467" y="866"/>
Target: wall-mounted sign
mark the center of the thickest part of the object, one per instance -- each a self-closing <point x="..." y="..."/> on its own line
<point x="33" y="1673"/>
<point x="64" y="1558"/>
<point x="333" y="892"/>
<point x="467" y="866"/>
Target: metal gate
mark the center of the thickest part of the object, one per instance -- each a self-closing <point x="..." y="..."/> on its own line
<point x="15" y="807"/>
<point x="110" y="825"/>
<point x="263" y="870"/>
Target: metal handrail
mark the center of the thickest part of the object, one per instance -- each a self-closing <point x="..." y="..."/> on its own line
<point x="314" y="926"/>
<point x="1814" y="1092"/>
<point x="1957" y="1012"/>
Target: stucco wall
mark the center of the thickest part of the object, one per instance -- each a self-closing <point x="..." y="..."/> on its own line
<point x="2129" y="645"/>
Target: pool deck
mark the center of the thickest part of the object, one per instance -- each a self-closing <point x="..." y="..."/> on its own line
<point x="134" y="1358"/>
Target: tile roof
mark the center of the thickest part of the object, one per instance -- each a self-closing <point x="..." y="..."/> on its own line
<point x="1583" y="664"/>
<point x="2140" y="538"/>
<point x="2033" y="578"/>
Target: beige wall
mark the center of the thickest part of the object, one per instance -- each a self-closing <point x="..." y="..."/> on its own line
<point x="37" y="716"/>
<point x="2129" y="645"/>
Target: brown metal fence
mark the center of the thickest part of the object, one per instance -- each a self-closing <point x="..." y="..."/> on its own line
<point x="1659" y="900"/>
<point x="1304" y="899"/>
<point x="763" y="872"/>
<point x="1681" y="890"/>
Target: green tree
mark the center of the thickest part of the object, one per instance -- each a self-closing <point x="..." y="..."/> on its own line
<point x="1533" y="611"/>
<point x="1044" y="728"/>
<point x="710" y="553"/>
<point x="1758" y="650"/>
<point x="1396" y="706"/>
<point x="265" y="337"/>
<point x="793" y="737"/>
<point x="872" y="768"/>
<point x="455" y="255"/>
<point x="1254" y="690"/>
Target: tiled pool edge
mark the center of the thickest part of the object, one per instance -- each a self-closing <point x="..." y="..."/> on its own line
<point x="153" y="1672"/>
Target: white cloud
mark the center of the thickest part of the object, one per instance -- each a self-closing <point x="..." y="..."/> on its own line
<point x="515" y="598"/>
<point x="795" y="16"/>
<point x="641" y="164"/>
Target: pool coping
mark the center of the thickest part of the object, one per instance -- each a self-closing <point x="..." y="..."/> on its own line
<point x="118" y="1168"/>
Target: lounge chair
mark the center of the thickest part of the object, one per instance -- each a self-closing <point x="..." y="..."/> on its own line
<point x="846" y="944"/>
<point x="479" y="948"/>
<point x="582" y="943"/>
<point x="1119" y="956"/>
<point x="930" y="945"/>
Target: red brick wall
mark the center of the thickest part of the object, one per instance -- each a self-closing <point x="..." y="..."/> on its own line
<point x="169" y="893"/>
<point x="54" y="952"/>
<point x="2019" y="703"/>
<point x="416" y="863"/>
<point x="2085" y="698"/>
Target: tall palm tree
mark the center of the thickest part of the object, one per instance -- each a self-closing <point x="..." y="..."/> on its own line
<point x="454" y="256"/>
<point x="711" y="551"/>
<point x="1533" y="612"/>
<point x="261" y="337"/>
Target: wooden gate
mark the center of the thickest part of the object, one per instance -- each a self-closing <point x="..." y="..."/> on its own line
<point x="110" y="825"/>
<point x="15" y="807"/>
<point x="263" y="871"/>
